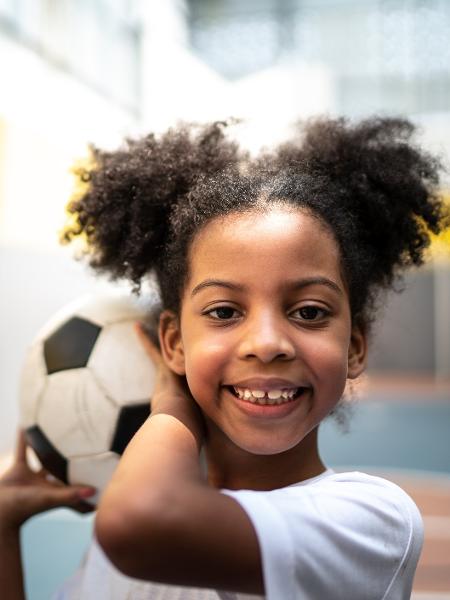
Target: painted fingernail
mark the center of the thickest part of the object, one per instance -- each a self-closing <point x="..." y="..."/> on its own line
<point x="86" y="492"/>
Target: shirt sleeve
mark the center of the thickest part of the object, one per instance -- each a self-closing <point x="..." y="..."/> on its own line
<point x="346" y="536"/>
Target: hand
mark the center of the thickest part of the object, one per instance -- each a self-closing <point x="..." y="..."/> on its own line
<point x="171" y="394"/>
<point x="167" y="383"/>
<point x="24" y="492"/>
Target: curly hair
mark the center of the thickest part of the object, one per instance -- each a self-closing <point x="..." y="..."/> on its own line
<point x="368" y="182"/>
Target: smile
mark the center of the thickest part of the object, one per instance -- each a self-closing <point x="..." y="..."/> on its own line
<point x="262" y="397"/>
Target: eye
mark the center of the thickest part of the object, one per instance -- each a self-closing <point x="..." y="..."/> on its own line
<point x="310" y="313"/>
<point x="223" y="313"/>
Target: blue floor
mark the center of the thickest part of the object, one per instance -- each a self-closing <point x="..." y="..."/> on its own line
<point x="401" y="435"/>
<point x="53" y="545"/>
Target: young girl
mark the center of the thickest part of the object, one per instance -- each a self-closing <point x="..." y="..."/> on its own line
<point x="269" y="271"/>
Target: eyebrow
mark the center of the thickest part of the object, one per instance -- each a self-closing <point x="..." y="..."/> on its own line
<point x="297" y="284"/>
<point x="217" y="283"/>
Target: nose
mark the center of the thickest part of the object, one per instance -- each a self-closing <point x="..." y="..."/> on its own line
<point x="266" y="338"/>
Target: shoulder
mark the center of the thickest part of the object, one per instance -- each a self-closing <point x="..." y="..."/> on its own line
<point x="335" y="494"/>
<point x="363" y="493"/>
<point x="348" y="527"/>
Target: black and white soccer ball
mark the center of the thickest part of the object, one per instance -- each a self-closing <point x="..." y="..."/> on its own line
<point x="86" y="387"/>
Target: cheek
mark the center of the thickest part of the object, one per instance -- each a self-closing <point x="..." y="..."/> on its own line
<point x="330" y="358"/>
<point x="204" y="361"/>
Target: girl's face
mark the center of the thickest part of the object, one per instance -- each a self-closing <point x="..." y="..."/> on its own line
<point x="265" y="329"/>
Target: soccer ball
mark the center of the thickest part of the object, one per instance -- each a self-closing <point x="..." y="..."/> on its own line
<point x="86" y="386"/>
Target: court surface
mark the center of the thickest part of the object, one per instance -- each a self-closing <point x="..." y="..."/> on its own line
<point x="401" y="430"/>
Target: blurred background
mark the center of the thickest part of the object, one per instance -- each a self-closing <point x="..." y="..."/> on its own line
<point x="80" y="71"/>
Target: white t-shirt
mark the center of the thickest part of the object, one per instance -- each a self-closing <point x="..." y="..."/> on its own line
<point x="335" y="536"/>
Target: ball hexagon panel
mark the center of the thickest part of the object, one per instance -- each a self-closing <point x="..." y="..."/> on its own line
<point x="93" y="470"/>
<point x="70" y="346"/>
<point x="129" y="421"/>
<point x="76" y="414"/>
<point x="32" y="384"/>
<point x="82" y="409"/>
<point x="127" y="381"/>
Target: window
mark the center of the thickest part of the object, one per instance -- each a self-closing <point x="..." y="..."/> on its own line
<point x="381" y="55"/>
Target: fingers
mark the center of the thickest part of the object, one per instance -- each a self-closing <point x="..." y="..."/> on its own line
<point x="83" y="507"/>
<point x="27" y="501"/>
<point x="69" y="496"/>
<point x="21" y="447"/>
<point x="48" y="477"/>
<point x="150" y="347"/>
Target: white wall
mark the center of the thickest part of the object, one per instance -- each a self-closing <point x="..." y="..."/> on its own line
<point x="46" y="120"/>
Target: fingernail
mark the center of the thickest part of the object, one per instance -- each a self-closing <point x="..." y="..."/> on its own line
<point x="86" y="492"/>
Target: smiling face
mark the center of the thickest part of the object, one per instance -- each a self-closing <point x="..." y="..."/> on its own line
<point x="265" y="327"/>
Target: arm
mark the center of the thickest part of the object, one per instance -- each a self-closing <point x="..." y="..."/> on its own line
<point x="159" y="520"/>
<point x="11" y="576"/>
<point x="24" y="493"/>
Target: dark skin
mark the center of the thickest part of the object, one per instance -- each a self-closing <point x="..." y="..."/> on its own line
<point x="234" y="325"/>
<point x="222" y="471"/>
<point x="24" y="493"/>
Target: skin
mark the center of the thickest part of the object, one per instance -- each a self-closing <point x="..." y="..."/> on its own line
<point x="24" y="493"/>
<point x="266" y="334"/>
<point x="255" y="323"/>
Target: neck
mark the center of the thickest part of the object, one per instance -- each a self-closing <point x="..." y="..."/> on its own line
<point x="231" y="467"/>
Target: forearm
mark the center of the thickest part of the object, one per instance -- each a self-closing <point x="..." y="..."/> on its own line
<point x="165" y="451"/>
<point x="158" y="478"/>
<point x="11" y="574"/>
<point x="163" y="456"/>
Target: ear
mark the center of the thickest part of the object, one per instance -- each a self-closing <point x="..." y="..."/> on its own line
<point x="171" y="342"/>
<point x="357" y="352"/>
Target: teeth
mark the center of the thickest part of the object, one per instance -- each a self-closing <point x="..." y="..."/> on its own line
<point x="261" y="397"/>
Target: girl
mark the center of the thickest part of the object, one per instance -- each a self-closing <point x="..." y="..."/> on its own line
<point x="269" y="271"/>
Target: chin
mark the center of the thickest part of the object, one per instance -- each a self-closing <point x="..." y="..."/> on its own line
<point x="266" y="447"/>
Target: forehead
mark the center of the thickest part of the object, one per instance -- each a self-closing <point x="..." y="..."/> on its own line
<point x="265" y="247"/>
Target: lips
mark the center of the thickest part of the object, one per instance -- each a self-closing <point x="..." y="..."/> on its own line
<point x="269" y="409"/>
